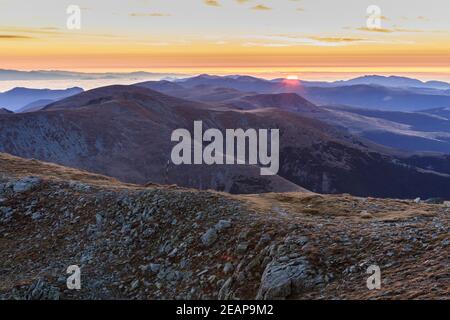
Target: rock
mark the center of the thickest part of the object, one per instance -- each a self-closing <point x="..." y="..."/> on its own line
<point x="6" y="213"/>
<point x="265" y="238"/>
<point x="222" y="225"/>
<point x="36" y="216"/>
<point x="166" y="247"/>
<point x="199" y="216"/>
<point x="135" y="284"/>
<point x="224" y="292"/>
<point x="417" y="200"/>
<point x="98" y="220"/>
<point x="2" y="188"/>
<point x="280" y="280"/>
<point x="209" y="237"/>
<point x="302" y="240"/>
<point x="243" y="235"/>
<point x="228" y="267"/>
<point x="434" y="201"/>
<point x="242" y="247"/>
<point x="154" y="267"/>
<point x="53" y="293"/>
<point x="26" y="184"/>
<point x="447" y="204"/>
<point x="365" y="214"/>
<point x="41" y="290"/>
<point x="78" y="186"/>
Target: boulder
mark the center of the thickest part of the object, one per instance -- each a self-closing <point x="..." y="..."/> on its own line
<point x="26" y="184"/>
<point x="281" y="280"/>
<point x="209" y="237"/>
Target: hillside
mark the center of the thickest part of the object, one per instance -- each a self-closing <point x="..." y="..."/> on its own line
<point x="165" y="242"/>
<point x="124" y="132"/>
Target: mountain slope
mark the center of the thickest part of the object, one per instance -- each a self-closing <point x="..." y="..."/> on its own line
<point x="376" y="97"/>
<point x="5" y="111"/>
<point x="284" y="101"/>
<point x="36" y="105"/>
<point x="162" y="242"/>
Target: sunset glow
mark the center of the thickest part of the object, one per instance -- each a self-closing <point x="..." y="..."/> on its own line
<point x="279" y="40"/>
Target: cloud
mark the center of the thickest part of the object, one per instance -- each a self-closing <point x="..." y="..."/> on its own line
<point x="337" y="39"/>
<point x="212" y="3"/>
<point x="14" y="37"/>
<point x="397" y="29"/>
<point x="151" y="14"/>
<point x="383" y="30"/>
<point x="261" y="7"/>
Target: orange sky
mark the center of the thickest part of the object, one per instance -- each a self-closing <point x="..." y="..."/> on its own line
<point x="283" y="37"/>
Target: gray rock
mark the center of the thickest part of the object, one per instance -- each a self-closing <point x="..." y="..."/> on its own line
<point x="98" y="220"/>
<point x="280" y="280"/>
<point x="209" y="237"/>
<point x="135" y="284"/>
<point x="242" y="247"/>
<point x="225" y="290"/>
<point x="302" y="240"/>
<point x="199" y="216"/>
<point x="6" y="213"/>
<point x="2" y="188"/>
<point x="265" y="238"/>
<point x="434" y="201"/>
<point x="222" y="225"/>
<point x="78" y="186"/>
<point x="228" y="267"/>
<point x="26" y="184"/>
<point x="36" y="216"/>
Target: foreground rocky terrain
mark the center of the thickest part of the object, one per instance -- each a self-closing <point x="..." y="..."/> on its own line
<point x="166" y="242"/>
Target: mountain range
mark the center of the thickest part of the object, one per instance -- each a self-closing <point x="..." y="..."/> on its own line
<point x="356" y="92"/>
<point x="124" y="132"/>
<point x="19" y="99"/>
<point x="12" y="75"/>
<point x="417" y="131"/>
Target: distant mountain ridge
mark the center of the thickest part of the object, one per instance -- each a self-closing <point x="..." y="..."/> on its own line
<point x="393" y="81"/>
<point x="18" y="98"/>
<point x="393" y="117"/>
<point x="350" y="93"/>
<point x="10" y="75"/>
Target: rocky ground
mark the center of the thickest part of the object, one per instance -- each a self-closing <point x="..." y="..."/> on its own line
<point x="165" y="242"/>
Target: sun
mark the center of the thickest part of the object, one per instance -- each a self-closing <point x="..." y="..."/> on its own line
<point x="292" y="77"/>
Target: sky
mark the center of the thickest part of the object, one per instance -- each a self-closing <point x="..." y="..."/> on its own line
<point x="313" y="39"/>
